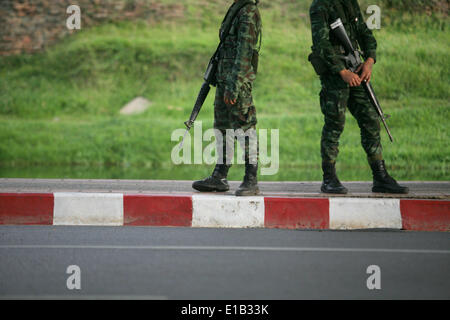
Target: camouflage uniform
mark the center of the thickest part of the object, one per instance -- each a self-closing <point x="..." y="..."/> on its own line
<point x="336" y="95"/>
<point x="235" y="73"/>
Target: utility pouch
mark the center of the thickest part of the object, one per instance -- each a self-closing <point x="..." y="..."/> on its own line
<point x="255" y="60"/>
<point x="318" y="64"/>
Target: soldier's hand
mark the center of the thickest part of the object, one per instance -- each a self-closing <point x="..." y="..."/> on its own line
<point x="351" y="78"/>
<point x="228" y="100"/>
<point x="366" y="70"/>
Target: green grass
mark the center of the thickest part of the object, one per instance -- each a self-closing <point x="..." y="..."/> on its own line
<point x="59" y="109"/>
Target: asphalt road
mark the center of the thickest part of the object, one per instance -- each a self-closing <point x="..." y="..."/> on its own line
<point x="189" y="263"/>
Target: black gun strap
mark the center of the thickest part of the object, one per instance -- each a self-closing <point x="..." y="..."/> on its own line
<point x="227" y="29"/>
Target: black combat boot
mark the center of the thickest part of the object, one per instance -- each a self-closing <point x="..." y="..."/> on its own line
<point x="216" y="182"/>
<point x="249" y="187"/>
<point x="382" y="181"/>
<point x="331" y="183"/>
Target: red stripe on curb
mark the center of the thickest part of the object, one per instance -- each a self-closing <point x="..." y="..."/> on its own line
<point x="150" y="210"/>
<point x="295" y="213"/>
<point x="26" y="208"/>
<point x="425" y="215"/>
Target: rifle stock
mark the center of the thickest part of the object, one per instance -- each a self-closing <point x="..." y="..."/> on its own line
<point x="204" y="90"/>
<point x="209" y="80"/>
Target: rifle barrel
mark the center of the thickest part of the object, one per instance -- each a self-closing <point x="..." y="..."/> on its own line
<point x="373" y="99"/>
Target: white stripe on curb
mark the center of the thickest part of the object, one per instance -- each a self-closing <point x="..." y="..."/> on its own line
<point x="76" y="208"/>
<point x="353" y="213"/>
<point x="227" y="211"/>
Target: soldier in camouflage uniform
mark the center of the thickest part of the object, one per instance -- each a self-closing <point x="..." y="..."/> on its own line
<point x="233" y="106"/>
<point x="342" y="88"/>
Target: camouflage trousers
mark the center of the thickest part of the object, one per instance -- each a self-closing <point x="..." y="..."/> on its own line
<point x="333" y="103"/>
<point x="236" y="122"/>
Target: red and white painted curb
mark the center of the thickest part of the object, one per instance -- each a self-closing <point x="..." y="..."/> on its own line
<point x="223" y="211"/>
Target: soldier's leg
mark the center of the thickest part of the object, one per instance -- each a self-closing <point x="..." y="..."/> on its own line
<point x="217" y="181"/>
<point x="243" y="120"/>
<point x="369" y="124"/>
<point x="333" y="104"/>
<point x="222" y="123"/>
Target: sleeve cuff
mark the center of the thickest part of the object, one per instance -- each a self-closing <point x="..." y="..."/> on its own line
<point x="373" y="55"/>
<point x="336" y="68"/>
<point x="231" y="89"/>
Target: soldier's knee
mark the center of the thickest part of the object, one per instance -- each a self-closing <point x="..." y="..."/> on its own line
<point x="334" y="125"/>
<point x="333" y="105"/>
<point x="370" y="128"/>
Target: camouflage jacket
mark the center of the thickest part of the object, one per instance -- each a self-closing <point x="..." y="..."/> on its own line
<point x="325" y="12"/>
<point x="235" y="57"/>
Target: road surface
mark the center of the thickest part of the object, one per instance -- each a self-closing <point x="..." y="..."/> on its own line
<point x="191" y="263"/>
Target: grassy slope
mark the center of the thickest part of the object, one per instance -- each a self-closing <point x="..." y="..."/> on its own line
<point x="61" y="107"/>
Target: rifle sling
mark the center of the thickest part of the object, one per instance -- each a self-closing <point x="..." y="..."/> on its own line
<point x="227" y="28"/>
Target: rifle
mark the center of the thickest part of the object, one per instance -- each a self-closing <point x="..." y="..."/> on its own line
<point x="209" y="80"/>
<point x="353" y="60"/>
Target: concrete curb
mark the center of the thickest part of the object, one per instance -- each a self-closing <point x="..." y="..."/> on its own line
<point x="222" y="211"/>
